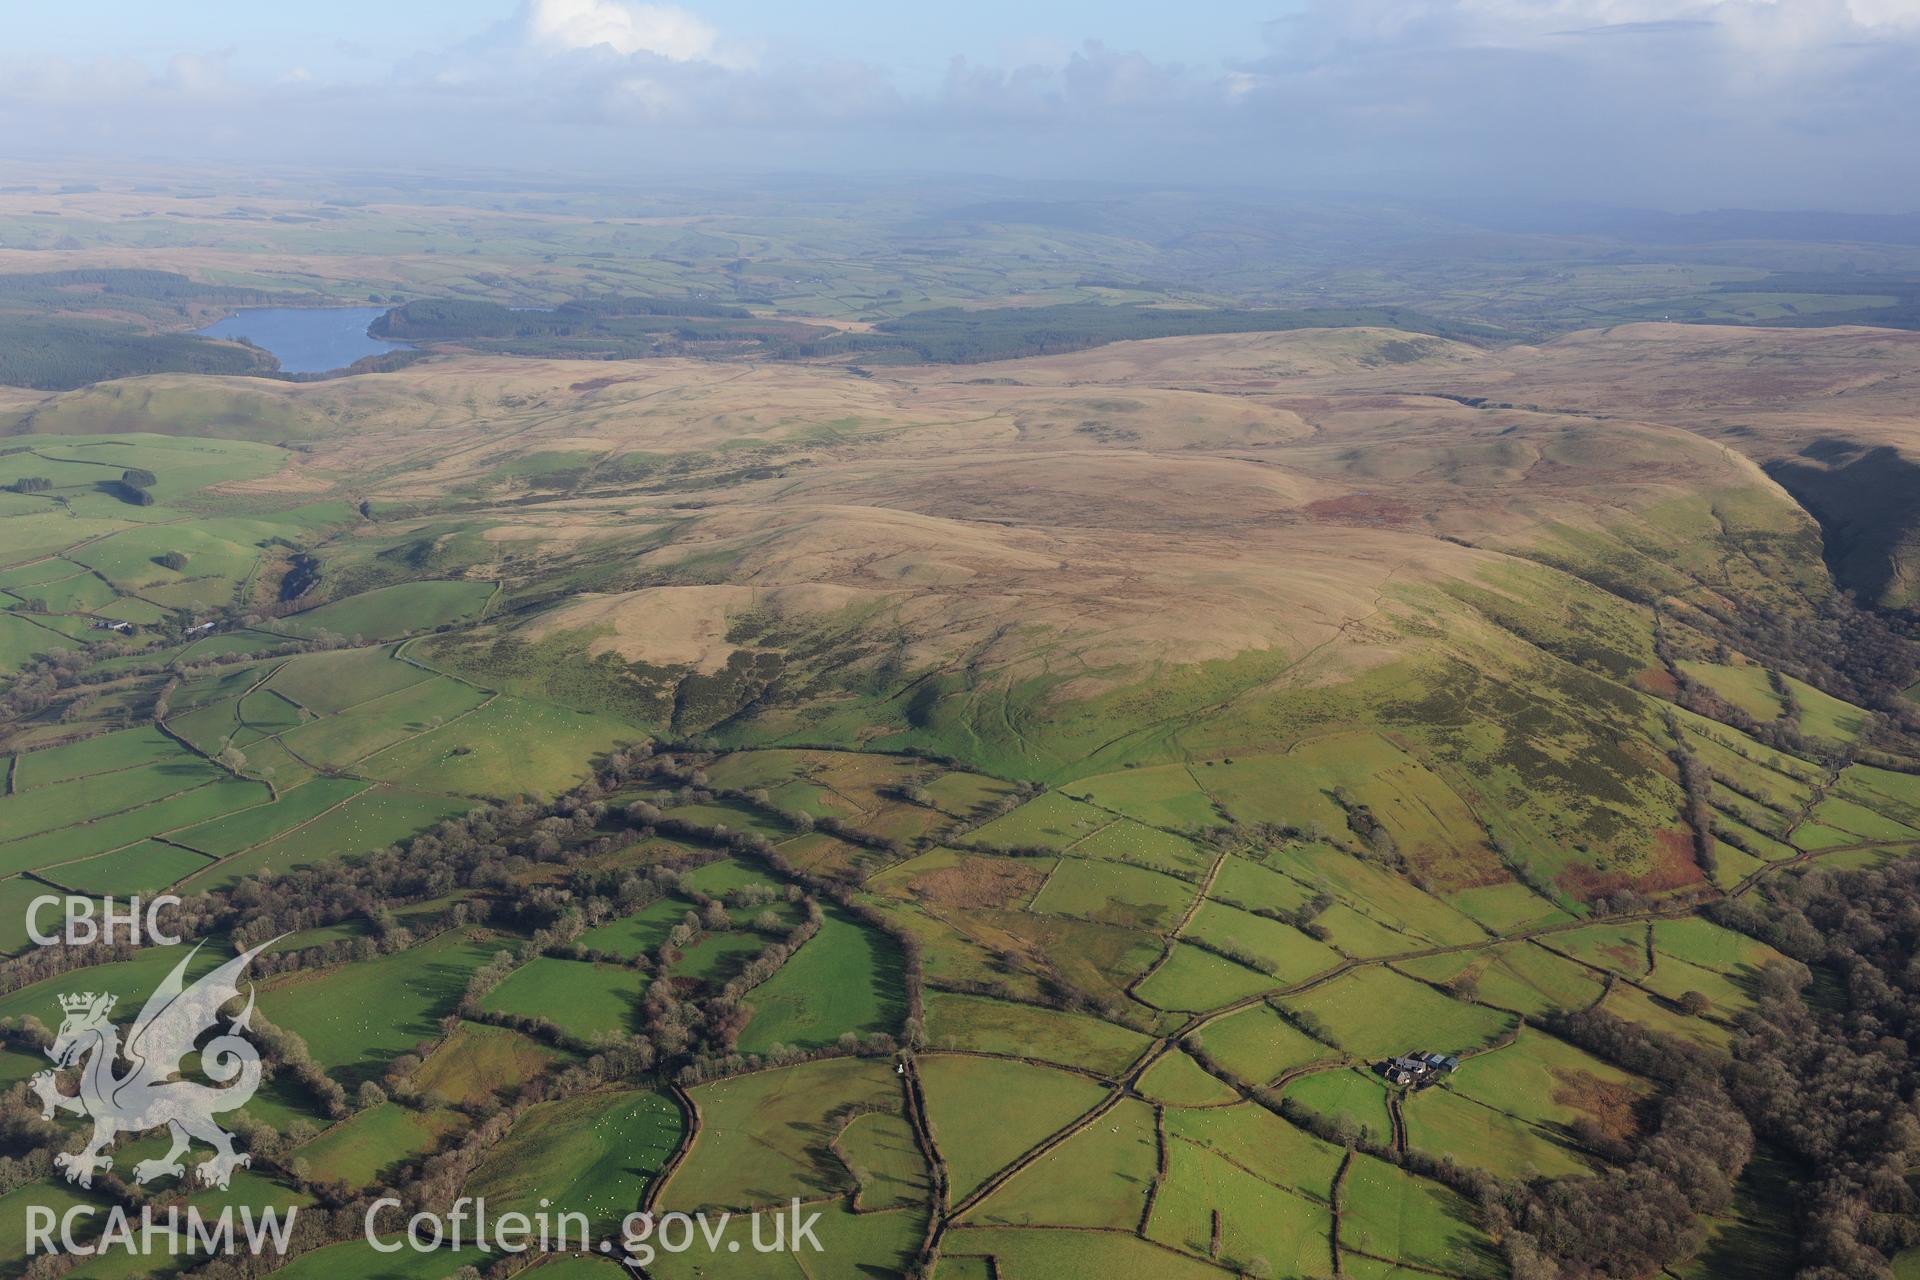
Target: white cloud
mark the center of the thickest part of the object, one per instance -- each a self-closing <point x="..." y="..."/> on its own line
<point x="1667" y="102"/>
<point x="627" y="29"/>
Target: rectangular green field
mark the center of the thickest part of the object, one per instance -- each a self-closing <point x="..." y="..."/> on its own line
<point x="1290" y="1233"/>
<point x="1392" y="1214"/>
<point x="21" y="641"/>
<point x="1160" y="796"/>
<point x="1194" y="979"/>
<point x="1443" y="1123"/>
<point x="138" y="869"/>
<point x="1027" y="1103"/>
<point x="584" y="1000"/>
<point x="1030" y="1253"/>
<point x="717" y="958"/>
<point x="639" y="932"/>
<point x="1052" y="821"/>
<point x="1745" y="687"/>
<point x="595" y="1154"/>
<point x="1261" y="1142"/>
<point x="392" y="611"/>
<point x="761" y="1138"/>
<point x="1115" y="893"/>
<point x="846" y="978"/>
<point x="1506" y="907"/>
<point x="374" y="819"/>
<point x="986" y="1025"/>
<point x="1521" y="976"/>
<point x="477" y="1061"/>
<point x="357" y="1150"/>
<point x="104" y="754"/>
<point x="1254" y="886"/>
<point x="1097" y="1178"/>
<point x="357" y="1017"/>
<point x="257" y="825"/>
<point x="1129" y="841"/>
<point x="82" y="799"/>
<point x="325" y="683"/>
<point x="1256" y="1045"/>
<point x="1288" y="954"/>
<point x="1860" y="821"/>
<point x="84" y="839"/>
<point x="1376" y="1013"/>
<point x="965" y="794"/>
<point x="341" y="740"/>
<point x="1619" y="947"/>
<point x="508" y="747"/>
<point x="1547" y="1082"/>
<point x="1380" y="893"/>
<point x="1351" y="1095"/>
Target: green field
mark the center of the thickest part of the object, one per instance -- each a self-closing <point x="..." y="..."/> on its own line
<point x="1097" y="1178"/>
<point x="1193" y="978"/>
<point x="477" y="1061"/>
<point x="1261" y="1226"/>
<point x="358" y="1149"/>
<point x="1442" y="1122"/>
<point x="1029" y="1104"/>
<point x="1281" y="950"/>
<point x="1376" y="1013"/>
<point x="1354" y="1096"/>
<point x="1034" y="1254"/>
<point x="137" y="869"/>
<point x="392" y="611"/>
<point x="261" y="823"/>
<point x="1114" y="893"/>
<point x="1053" y="821"/>
<point x="844" y="979"/>
<point x="326" y="683"/>
<point x="184" y="810"/>
<point x="884" y="1157"/>
<point x="997" y="1026"/>
<point x="104" y="754"/>
<point x="584" y="1000"/>
<point x="764" y="1137"/>
<point x="369" y="820"/>
<point x="1391" y="1214"/>
<point x="1179" y="1081"/>
<point x="359" y="1260"/>
<point x="359" y="1015"/>
<point x="1256" y="1045"/>
<point x="594" y="1154"/>
<point x="62" y="804"/>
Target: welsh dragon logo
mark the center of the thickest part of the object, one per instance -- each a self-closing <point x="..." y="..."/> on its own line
<point x="151" y="1092"/>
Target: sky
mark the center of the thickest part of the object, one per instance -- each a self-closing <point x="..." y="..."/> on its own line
<point x="1676" y="104"/>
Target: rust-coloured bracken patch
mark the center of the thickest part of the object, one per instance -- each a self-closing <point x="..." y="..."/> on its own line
<point x="981" y="882"/>
<point x="1610" y="1105"/>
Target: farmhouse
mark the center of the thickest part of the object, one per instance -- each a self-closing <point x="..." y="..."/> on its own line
<point x="1417" y="1069"/>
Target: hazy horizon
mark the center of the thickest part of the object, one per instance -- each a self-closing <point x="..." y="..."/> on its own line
<point x="1715" y="104"/>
